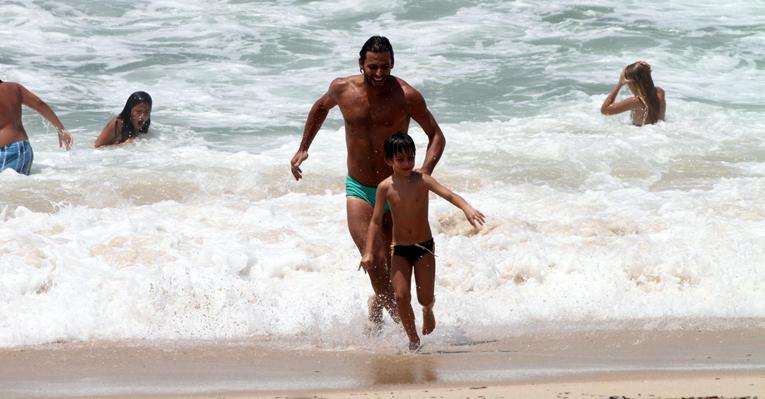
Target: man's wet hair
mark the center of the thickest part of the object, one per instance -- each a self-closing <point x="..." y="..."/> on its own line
<point x="399" y="143"/>
<point x="376" y="44"/>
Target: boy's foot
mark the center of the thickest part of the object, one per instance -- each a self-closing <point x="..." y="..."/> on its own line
<point x="428" y="320"/>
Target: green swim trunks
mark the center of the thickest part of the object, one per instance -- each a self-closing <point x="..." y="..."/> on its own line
<point x="355" y="189"/>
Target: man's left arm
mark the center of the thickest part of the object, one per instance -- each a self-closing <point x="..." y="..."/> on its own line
<point x="436" y="139"/>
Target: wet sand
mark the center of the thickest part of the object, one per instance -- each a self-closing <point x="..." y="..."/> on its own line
<point x="631" y="363"/>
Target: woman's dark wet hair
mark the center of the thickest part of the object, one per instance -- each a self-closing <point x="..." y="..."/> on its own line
<point x="127" y="127"/>
<point x="639" y="73"/>
<point x="399" y="143"/>
<point x="376" y="44"/>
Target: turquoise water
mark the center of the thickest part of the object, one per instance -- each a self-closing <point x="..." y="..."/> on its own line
<point x="199" y="230"/>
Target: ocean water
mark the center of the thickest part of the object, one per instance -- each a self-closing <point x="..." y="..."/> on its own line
<point x="199" y="231"/>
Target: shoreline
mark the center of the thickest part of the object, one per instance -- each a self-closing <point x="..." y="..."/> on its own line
<point x="684" y="362"/>
<point x="676" y="385"/>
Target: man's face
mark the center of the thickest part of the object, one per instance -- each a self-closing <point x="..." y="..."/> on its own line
<point x="376" y="68"/>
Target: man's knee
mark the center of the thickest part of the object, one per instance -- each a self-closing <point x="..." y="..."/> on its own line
<point x="403" y="297"/>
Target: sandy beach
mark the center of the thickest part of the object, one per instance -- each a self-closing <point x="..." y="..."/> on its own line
<point x="685" y="362"/>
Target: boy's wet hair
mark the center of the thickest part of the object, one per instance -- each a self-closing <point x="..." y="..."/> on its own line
<point x="376" y="44"/>
<point x="399" y="143"/>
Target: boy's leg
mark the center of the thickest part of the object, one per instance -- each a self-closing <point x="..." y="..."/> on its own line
<point x="425" y="279"/>
<point x="401" y="277"/>
<point x="359" y="215"/>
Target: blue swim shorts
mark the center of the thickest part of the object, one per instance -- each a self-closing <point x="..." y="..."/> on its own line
<point x="17" y="156"/>
<point x="355" y="189"/>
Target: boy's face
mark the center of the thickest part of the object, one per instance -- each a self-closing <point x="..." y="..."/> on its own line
<point x="402" y="163"/>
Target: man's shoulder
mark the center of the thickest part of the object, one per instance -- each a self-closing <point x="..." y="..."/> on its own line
<point x="409" y="91"/>
<point x="403" y="83"/>
<point x="10" y="85"/>
<point x="11" y="91"/>
<point x="343" y="82"/>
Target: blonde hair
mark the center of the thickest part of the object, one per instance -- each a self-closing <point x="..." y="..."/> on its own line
<point x="639" y="73"/>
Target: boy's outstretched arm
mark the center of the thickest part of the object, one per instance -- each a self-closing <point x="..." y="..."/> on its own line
<point x="367" y="261"/>
<point x="475" y="217"/>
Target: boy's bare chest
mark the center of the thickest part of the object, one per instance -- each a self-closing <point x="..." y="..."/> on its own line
<point x="413" y="195"/>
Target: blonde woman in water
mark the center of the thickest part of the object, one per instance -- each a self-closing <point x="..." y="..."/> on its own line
<point x="647" y="106"/>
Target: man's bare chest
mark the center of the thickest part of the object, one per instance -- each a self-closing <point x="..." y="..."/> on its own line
<point x="377" y="113"/>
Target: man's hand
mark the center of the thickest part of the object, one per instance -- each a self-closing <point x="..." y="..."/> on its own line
<point x="65" y="139"/>
<point x="298" y="159"/>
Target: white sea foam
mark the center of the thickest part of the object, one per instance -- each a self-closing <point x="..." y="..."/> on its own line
<point x="199" y="231"/>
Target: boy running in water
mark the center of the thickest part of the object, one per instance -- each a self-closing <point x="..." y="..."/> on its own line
<point x="406" y="191"/>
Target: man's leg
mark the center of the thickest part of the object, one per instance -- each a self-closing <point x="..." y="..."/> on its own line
<point x="359" y="215"/>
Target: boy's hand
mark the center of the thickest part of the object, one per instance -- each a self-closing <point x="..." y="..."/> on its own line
<point x="366" y="262"/>
<point x="475" y="217"/>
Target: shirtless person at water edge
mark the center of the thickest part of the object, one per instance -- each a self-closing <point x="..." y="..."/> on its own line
<point x="15" y="150"/>
<point x="374" y="105"/>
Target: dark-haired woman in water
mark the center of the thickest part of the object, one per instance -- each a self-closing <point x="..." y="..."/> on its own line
<point x="647" y="105"/>
<point x="134" y="119"/>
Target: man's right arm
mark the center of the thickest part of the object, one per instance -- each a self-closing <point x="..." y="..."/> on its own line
<point x="316" y="117"/>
